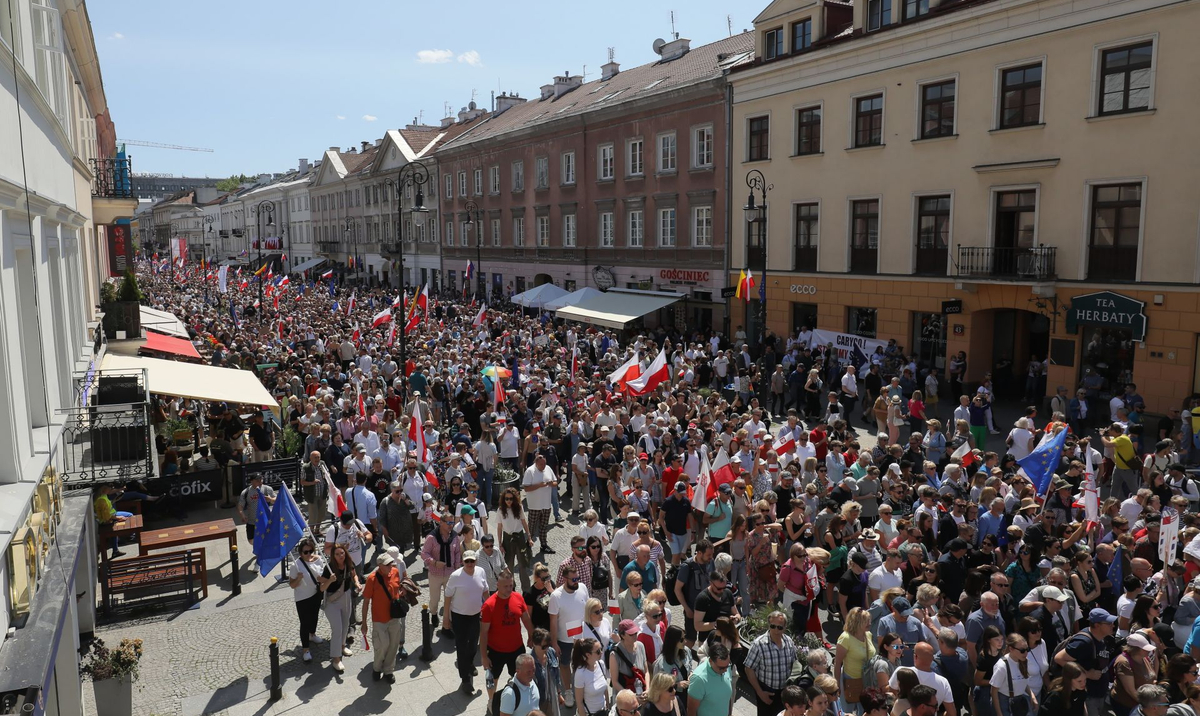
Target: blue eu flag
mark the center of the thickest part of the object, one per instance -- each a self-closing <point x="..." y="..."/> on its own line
<point x="857" y="358"/>
<point x="264" y="516"/>
<point x="1040" y="464"/>
<point x="283" y="531"/>
<point x="1115" y="573"/>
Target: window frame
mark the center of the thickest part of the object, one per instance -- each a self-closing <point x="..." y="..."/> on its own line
<point x="1092" y="186"/>
<point x="518" y="231"/>
<point x="640" y="143"/>
<point x="494" y="179"/>
<point x="922" y="102"/>
<point x="497" y="237"/>
<point x="816" y="235"/>
<point x="774" y="43"/>
<point x="850" y="219"/>
<point x="994" y="193"/>
<point x="610" y="149"/>
<point x="450" y="232"/>
<point x="998" y="113"/>
<point x="884" y="15"/>
<point x="517" y="172"/>
<point x="854" y="116"/>
<point x="606" y="240"/>
<point x="542" y="238"/>
<point x="820" y="124"/>
<point x="664" y="141"/>
<point x="918" y="214"/>
<point x="662" y="214"/>
<point x="478" y="177"/>
<point x="541" y="173"/>
<point x="708" y="142"/>
<point x="640" y="215"/>
<point x="1097" y="96"/>
<point x="570" y="225"/>
<point x="792" y="34"/>
<point x="751" y="134"/>
<point x="566" y="169"/>
<point x="695" y="224"/>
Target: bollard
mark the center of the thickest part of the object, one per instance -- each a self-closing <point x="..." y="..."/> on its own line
<point x="426" y="635"/>
<point x="237" y="572"/>
<point x="276" y="687"/>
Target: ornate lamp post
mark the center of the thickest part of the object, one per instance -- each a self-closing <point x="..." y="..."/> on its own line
<point x="413" y="174"/>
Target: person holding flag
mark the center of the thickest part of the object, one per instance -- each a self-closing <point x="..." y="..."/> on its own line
<point x="1040" y="464"/>
<point x="253" y="503"/>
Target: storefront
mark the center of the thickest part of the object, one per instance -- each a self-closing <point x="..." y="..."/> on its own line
<point x="1148" y="337"/>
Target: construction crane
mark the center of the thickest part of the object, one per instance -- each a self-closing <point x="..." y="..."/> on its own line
<point x="160" y="145"/>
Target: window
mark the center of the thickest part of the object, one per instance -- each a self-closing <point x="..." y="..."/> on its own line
<point x="608" y="162"/>
<point x="464" y="230"/>
<point x="637" y="227"/>
<point x="541" y="173"/>
<point x="937" y="109"/>
<point x="449" y="233"/>
<point x="702" y="226"/>
<point x="7" y="23"/>
<point x="478" y="182"/>
<point x="606" y="230"/>
<point x="1021" y="96"/>
<point x="773" y="44"/>
<point x="703" y="147"/>
<point x="804" y="242"/>
<point x="759" y="134"/>
<point x="358" y="197"/>
<point x="518" y="176"/>
<point x="808" y="130"/>
<point x="1115" y="231"/>
<point x="462" y="183"/>
<point x="543" y="231"/>
<point x="933" y="222"/>
<point x="666" y="152"/>
<point x="864" y="224"/>
<point x="1125" y="74"/>
<point x="879" y="13"/>
<point x="802" y="35"/>
<point x="569" y="231"/>
<point x="568" y="168"/>
<point x="915" y="8"/>
<point x="518" y="231"/>
<point x="496" y="230"/>
<point x="861" y="322"/>
<point x="634" y="159"/>
<point x="666" y="227"/>
<point x="494" y="180"/>
<point x="49" y="62"/>
<point x="868" y="121"/>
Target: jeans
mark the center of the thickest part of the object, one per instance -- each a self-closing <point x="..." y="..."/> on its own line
<point x="981" y="696"/>
<point x="466" y="642"/>
<point x="127" y="515"/>
<point x="309" y="611"/>
<point x="485" y="486"/>
<point x="603" y="502"/>
<point x="554" y="503"/>
<point x="738" y="576"/>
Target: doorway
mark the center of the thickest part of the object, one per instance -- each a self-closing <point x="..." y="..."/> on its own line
<point x="542" y="279"/>
<point x="804" y="315"/>
<point x="1017" y="336"/>
<point x="1108" y="352"/>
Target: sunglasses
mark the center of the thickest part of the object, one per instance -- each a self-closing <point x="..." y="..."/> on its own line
<point x="1020" y="650"/>
<point x="634" y="584"/>
<point x="643" y="532"/>
<point x="653" y="616"/>
<point x="597" y="611"/>
<point x="777" y="627"/>
<point x="306" y="551"/>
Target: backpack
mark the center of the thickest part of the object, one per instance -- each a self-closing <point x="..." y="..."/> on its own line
<point x="668" y="584"/>
<point x="500" y="692"/>
<point x="601" y="577"/>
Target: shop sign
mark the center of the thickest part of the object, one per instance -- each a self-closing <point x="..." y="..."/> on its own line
<point x="120" y="249"/>
<point x="604" y="278"/>
<point x="952" y="306"/>
<point x="683" y="276"/>
<point x="729" y="292"/>
<point x="1109" y="309"/>
<point x="959" y="329"/>
<point x="805" y="289"/>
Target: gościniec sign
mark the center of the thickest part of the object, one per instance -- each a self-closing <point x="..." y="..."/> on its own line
<point x="1108" y="309"/>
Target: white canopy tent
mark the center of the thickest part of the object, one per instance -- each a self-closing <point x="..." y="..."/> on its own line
<point x="163" y="322"/>
<point x="538" y="296"/>
<point x="192" y="380"/>
<point x="573" y="299"/>
<point x="617" y="308"/>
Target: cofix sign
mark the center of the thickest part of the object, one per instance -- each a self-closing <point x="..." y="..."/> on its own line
<point x="683" y="276"/>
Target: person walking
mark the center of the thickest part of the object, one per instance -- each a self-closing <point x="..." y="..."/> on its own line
<point x="304" y="579"/>
<point x="442" y="555"/>
<point x="710" y="690"/>
<point x="384" y="606"/>
<point x="769" y="663"/>
<point x="466" y="590"/>
<point x="501" y="619"/>
<point x="339" y="583"/>
<point x="538" y="482"/>
<point x="314" y="484"/>
<point x="247" y="504"/>
<point x="516" y="541"/>
<point x="394" y="516"/>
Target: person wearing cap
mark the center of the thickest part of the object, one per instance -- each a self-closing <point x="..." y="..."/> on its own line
<point x="627" y="664"/>
<point x="1093" y="650"/>
<point x="466" y="591"/>
<point x="675" y="519"/>
<point x="247" y="503"/>
<point x="383" y="606"/>
<point x="911" y="628"/>
<point x="852" y="586"/>
<point x="442" y="555"/>
<point x="718" y="514"/>
<point x="1133" y="668"/>
<point x="602" y="467"/>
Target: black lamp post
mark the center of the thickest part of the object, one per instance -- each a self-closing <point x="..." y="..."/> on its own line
<point x="475" y="222"/>
<point x="413" y="174"/>
<point x="756" y="217"/>
<point x="267" y="207"/>
<point x="352" y="237"/>
<point x="205" y="237"/>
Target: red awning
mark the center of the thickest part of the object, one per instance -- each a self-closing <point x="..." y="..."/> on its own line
<point x="169" y="344"/>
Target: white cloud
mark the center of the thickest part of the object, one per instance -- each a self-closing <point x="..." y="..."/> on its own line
<point x="116" y="36"/>
<point x="341" y="116"/>
<point x="471" y="57"/>
<point x="369" y="118"/>
<point x="434" y="57"/>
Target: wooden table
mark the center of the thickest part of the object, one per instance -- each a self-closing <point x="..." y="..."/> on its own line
<point x="131" y="526"/>
<point x="189" y="534"/>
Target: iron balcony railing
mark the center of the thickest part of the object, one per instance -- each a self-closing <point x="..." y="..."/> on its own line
<point x="107" y="436"/>
<point x="1034" y="263"/>
<point x="112" y="178"/>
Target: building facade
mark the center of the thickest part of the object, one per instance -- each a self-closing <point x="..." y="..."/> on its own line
<point x="616" y="182"/>
<point x="997" y="178"/>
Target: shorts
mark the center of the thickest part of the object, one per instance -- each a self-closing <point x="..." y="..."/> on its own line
<point x="678" y="543"/>
<point x="689" y="629"/>
<point x="564" y="651"/>
<point x="250" y="531"/>
<point x="501" y="659"/>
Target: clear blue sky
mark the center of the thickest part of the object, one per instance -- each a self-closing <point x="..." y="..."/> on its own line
<point x="265" y="82"/>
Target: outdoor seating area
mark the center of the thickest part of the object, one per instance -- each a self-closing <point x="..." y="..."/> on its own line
<point x="184" y="572"/>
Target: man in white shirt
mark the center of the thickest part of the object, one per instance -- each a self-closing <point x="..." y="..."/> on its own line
<point x="923" y="666"/>
<point x="510" y="443"/>
<point x="622" y="542"/>
<point x="582" y="494"/>
<point x="466" y="589"/>
<point x="849" y="394"/>
<point x="366" y="437"/>
<point x="886" y="575"/>
<point x="537" y="483"/>
<point x="566" y="608"/>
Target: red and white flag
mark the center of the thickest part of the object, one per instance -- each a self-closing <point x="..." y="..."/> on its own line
<point x="420" y="300"/>
<point x="574" y="629"/>
<point x="700" y="492"/>
<point x="362" y="405"/>
<point x="392" y="334"/>
<point x="281" y="326"/>
<point x="398" y="302"/>
<point x="480" y="317"/>
<point x="628" y="371"/>
<point x="327" y="274"/>
<point x="430" y="475"/>
<point x="1168" y="536"/>
<point x="337" y="504"/>
<point x="351" y="303"/>
<point x="413" y="321"/>
<point x="416" y="430"/>
<point x="283" y="281"/>
<point x="723" y="473"/>
<point x="574" y="363"/>
<point x="1091" y="497"/>
<point x="356" y="336"/>
<point x="614" y="607"/>
<point x="963" y="455"/>
<point x="784" y="444"/>
<point x="384" y="316"/>
<point x="498" y="394"/>
<point x="655" y="374"/>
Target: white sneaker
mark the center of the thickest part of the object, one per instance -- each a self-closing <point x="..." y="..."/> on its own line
<point x="307" y="658"/>
<point x="570" y="700"/>
<point x="346" y="651"/>
<point x="337" y="666"/>
<point x="317" y="639"/>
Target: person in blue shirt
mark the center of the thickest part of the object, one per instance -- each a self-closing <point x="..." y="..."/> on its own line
<point x="642" y="565"/>
<point x="992" y="521"/>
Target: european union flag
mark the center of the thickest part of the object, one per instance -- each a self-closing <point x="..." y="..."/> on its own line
<point x="1116" y="573"/>
<point x="857" y="358"/>
<point x="264" y="517"/>
<point x="332" y="292"/>
<point x="283" y="532"/>
<point x="1040" y="464"/>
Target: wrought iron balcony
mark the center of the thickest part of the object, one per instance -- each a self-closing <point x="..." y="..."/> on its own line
<point x="994" y="262"/>
<point x="107" y="436"/>
<point x="328" y="247"/>
<point x="112" y="178"/>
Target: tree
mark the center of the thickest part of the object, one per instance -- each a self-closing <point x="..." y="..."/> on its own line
<point x="233" y="182"/>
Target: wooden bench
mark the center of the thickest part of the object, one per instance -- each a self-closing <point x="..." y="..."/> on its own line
<point x="179" y="570"/>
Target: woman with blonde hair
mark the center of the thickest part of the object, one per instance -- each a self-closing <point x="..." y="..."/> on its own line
<point x="851" y="531"/>
<point x="855" y="649"/>
<point x="934" y="441"/>
<point x="595" y="626"/>
<point x="661" y="696"/>
<point x="808" y="472"/>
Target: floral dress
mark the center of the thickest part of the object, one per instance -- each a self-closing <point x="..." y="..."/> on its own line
<point x="760" y="589"/>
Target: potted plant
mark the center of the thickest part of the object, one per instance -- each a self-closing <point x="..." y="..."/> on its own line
<point x="112" y="672"/>
<point x="122" y="307"/>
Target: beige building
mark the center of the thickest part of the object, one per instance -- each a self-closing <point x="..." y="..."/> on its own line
<point x="1007" y="178"/>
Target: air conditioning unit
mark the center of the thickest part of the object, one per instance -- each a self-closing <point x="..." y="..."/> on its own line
<point x="23" y="571"/>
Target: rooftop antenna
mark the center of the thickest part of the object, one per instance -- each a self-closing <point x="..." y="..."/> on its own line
<point x="729" y="24"/>
<point x="447" y="109"/>
<point x="585" y="73"/>
<point x="612" y="54"/>
<point x="674" y="34"/>
<point x="473" y="95"/>
<point x="421" y="117"/>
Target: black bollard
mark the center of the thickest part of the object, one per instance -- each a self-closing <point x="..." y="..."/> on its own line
<point x="426" y="635"/>
<point x="276" y="687"/>
<point x="237" y="572"/>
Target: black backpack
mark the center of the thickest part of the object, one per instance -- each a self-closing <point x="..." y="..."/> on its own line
<point x="668" y="584"/>
<point x="601" y="576"/>
<point x="499" y="692"/>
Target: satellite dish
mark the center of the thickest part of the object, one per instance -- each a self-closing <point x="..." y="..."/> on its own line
<point x="658" y="45"/>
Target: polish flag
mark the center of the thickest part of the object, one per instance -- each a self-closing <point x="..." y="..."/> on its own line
<point x="391" y="334"/>
<point x="574" y="629"/>
<point x="654" y="375"/>
<point x="614" y="607"/>
<point x="628" y="371"/>
<point x="283" y="281"/>
<point x="480" y="317"/>
<point x="356" y="336"/>
<point x="700" y="493"/>
<point x="384" y="316"/>
<point x="337" y="505"/>
<point x="420" y="300"/>
<point x="416" y="430"/>
<point x="243" y="285"/>
<point x="964" y="456"/>
<point x="327" y="274"/>
<point x="277" y="302"/>
<point x="281" y="325"/>
<point x="430" y="475"/>
<point x="574" y="363"/>
<point x="398" y="302"/>
<point x="362" y="405"/>
<point x="498" y="395"/>
<point x="256" y="303"/>
<point x="413" y="321"/>
<point x="351" y="303"/>
<point x="284" y="257"/>
<point x="723" y="473"/>
<point x="783" y="445"/>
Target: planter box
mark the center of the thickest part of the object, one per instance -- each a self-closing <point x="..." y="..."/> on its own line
<point x="123" y="316"/>
<point x="114" y="697"/>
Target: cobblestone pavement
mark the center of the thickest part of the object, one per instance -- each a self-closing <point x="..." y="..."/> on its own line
<point x="215" y="657"/>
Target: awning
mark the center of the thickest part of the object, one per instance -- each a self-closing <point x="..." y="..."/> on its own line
<point x="311" y="263"/>
<point x="538" y="296"/>
<point x="587" y="293"/>
<point x="618" y="308"/>
<point x="192" y="380"/>
<point x="233" y="262"/>
<point x="163" y="322"/>
<point x="169" y="344"/>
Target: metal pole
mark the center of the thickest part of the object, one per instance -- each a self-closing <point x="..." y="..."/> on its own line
<point x="237" y="576"/>
<point x="276" y="687"/>
<point x="258" y="239"/>
<point x="479" y="259"/>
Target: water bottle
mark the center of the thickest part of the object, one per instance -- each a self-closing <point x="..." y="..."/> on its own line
<point x="637" y="687"/>
<point x="489" y="680"/>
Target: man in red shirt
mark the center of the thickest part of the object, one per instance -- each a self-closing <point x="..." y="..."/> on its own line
<point x="819" y="440"/>
<point x="673" y="474"/>
<point x="500" y="640"/>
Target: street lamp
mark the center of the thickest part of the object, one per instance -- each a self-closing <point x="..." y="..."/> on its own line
<point x="266" y="206"/>
<point x="475" y="221"/>
<point x="205" y="237"/>
<point x="352" y="237"/>
<point x="413" y="174"/>
<point x="756" y="217"/>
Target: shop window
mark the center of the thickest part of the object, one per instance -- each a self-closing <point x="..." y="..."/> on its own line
<point x="929" y="339"/>
<point x="804" y="315"/>
<point x="860" y="321"/>
<point x="1109" y="353"/>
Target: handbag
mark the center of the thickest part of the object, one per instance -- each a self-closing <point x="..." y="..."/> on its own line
<point x="852" y="688"/>
<point x="766" y="572"/>
<point x="398" y="607"/>
<point x="1016" y="706"/>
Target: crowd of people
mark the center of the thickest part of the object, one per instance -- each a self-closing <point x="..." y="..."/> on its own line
<point x="864" y="550"/>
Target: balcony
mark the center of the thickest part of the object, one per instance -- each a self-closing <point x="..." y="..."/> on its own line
<point x="864" y="260"/>
<point x="931" y="261"/>
<point x="328" y="247"/>
<point x="654" y="256"/>
<point x="1007" y="263"/>
<point x="112" y="190"/>
<point x="107" y="437"/>
<point x="1112" y="263"/>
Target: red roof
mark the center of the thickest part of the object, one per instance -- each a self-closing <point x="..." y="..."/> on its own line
<point x="169" y="344"/>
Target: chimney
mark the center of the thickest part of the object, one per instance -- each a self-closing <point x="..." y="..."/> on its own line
<point x="547" y="91"/>
<point x="264" y="178"/>
<point x="365" y="146"/>
<point x="448" y="122"/>
<point x="566" y="83"/>
<point x="335" y="149"/>
<point x="352" y="150"/>
<point x="379" y="141"/>
<point x="303" y="166"/>
<point x="609" y="70"/>
<point x="506" y="101"/>
<point x="675" y="49"/>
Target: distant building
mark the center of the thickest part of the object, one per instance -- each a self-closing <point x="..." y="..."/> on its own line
<point x="154" y="188"/>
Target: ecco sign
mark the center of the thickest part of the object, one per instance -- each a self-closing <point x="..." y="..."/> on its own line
<point x="805" y="289"/>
